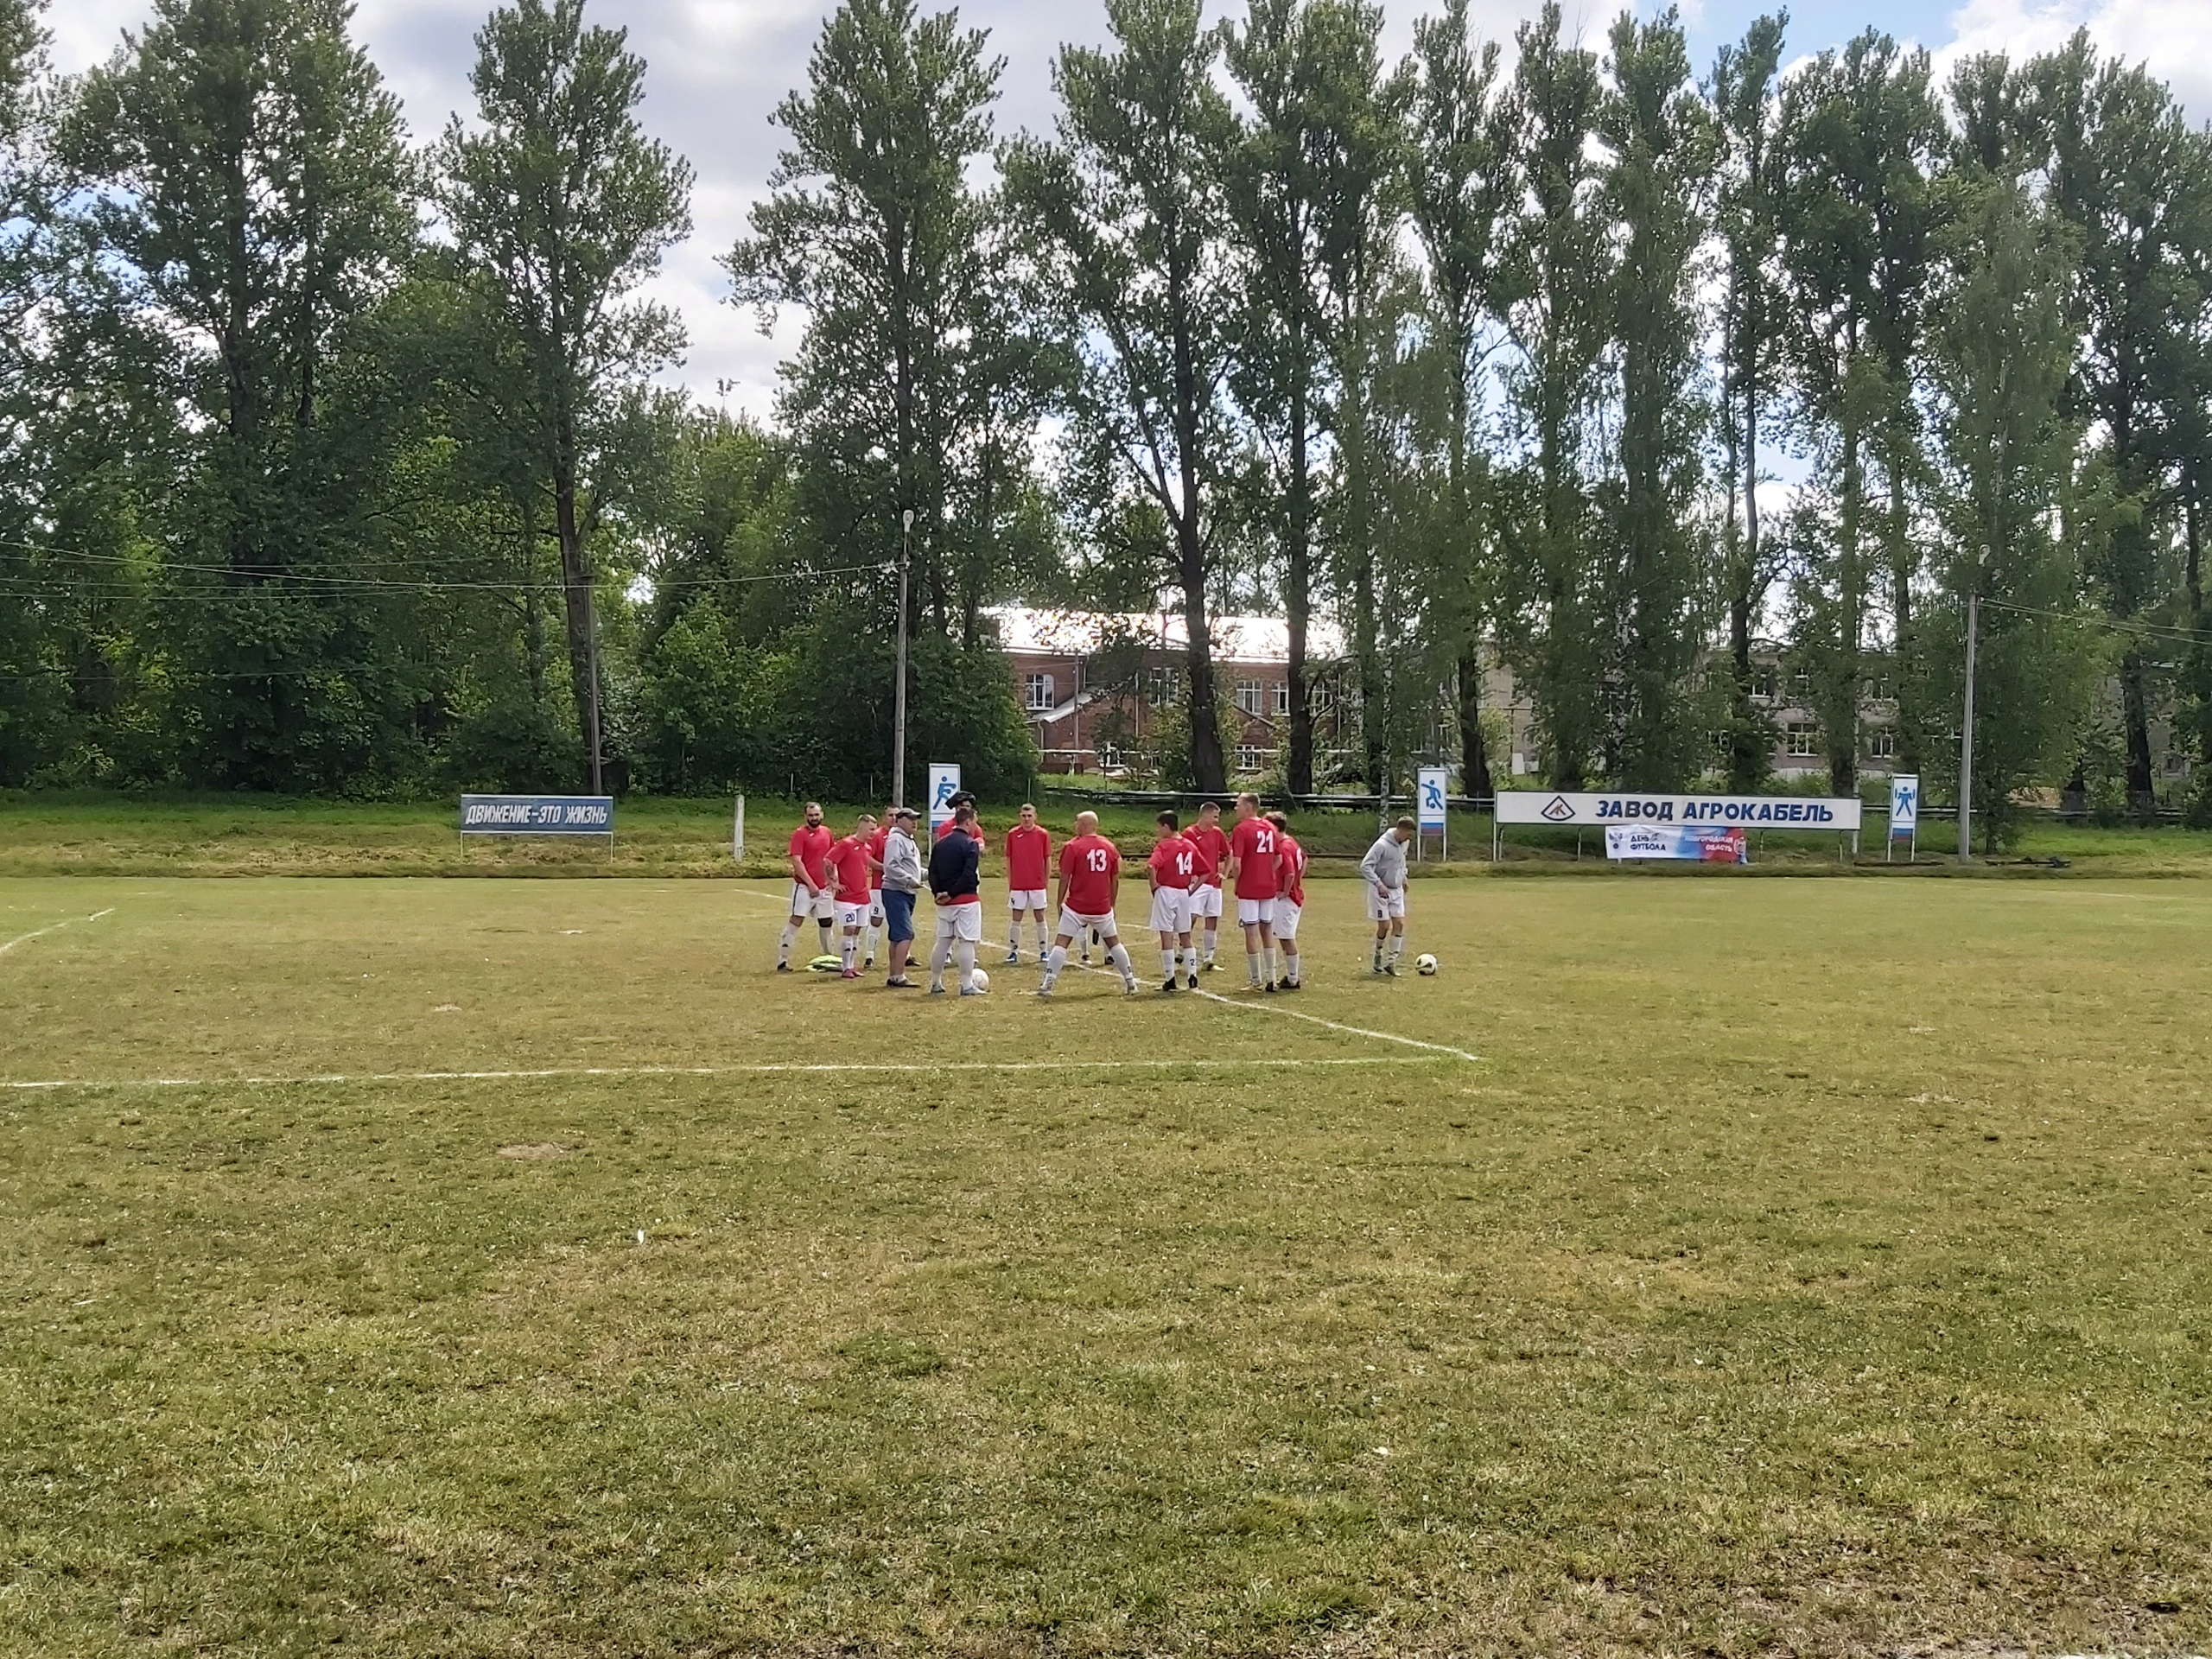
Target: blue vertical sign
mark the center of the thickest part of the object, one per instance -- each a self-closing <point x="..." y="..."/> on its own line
<point x="1429" y="793"/>
<point x="944" y="784"/>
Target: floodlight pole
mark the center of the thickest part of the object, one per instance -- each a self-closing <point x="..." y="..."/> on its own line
<point x="1965" y="737"/>
<point x="898" y="718"/>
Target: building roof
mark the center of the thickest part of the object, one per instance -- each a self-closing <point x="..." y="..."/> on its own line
<point x="1254" y="640"/>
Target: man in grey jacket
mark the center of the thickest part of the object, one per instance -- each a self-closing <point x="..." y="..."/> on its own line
<point x="902" y="880"/>
<point x="1383" y="870"/>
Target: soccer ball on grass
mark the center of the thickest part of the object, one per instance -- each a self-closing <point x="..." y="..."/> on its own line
<point x="978" y="980"/>
<point x="1424" y="965"/>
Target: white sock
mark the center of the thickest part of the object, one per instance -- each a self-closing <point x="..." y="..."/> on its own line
<point x="791" y="933"/>
<point x="1118" y="954"/>
<point x="1252" y="966"/>
<point x="1266" y="964"/>
<point x="825" y="927"/>
<point x="1290" y="966"/>
<point x="963" y="953"/>
<point x="1397" y="946"/>
<point x="1167" y="964"/>
<point x="940" y="953"/>
<point x="1014" y="936"/>
<point x="1055" y="959"/>
<point x="1210" y="937"/>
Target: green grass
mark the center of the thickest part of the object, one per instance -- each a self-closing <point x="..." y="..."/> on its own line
<point x="1812" y="1266"/>
<point x="106" y="835"/>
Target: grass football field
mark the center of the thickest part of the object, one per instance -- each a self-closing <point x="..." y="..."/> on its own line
<point x="460" y="1267"/>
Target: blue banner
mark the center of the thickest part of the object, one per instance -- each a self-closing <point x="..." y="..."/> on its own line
<point x="1707" y="843"/>
<point x="537" y="815"/>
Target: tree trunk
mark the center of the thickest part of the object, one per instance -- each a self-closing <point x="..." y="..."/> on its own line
<point x="576" y="584"/>
<point x="1905" y="649"/>
<point x="1297" y="596"/>
<point x="1842" y="713"/>
<point x="1206" y="763"/>
<point x="1474" y="752"/>
<point x="2135" y="711"/>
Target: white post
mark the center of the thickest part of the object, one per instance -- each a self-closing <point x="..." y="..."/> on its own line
<point x="1965" y="737"/>
<point x="898" y="716"/>
<point x="737" y="833"/>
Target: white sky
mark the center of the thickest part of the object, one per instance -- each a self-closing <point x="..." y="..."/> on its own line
<point x="716" y="68"/>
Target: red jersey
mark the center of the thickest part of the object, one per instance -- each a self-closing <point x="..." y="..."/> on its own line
<point x="1253" y="841"/>
<point x="1175" y="865"/>
<point x="848" y="858"/>
<point x="974" y="834"/>
<point x="1029" y="855"/>
<point x="875" y="851"/>
<point x="1090" y="865"/>
<point x="1212" y="847"/>
<point x="1291" y="875"/>
<point x="811" y="847"/>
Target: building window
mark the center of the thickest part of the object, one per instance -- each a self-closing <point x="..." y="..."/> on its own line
<point x="1282" y="698"/>
<point x="1763" y="685"/>
<point x="1166" y="685"/>
<point x="1249" y="761"/>
<point x="1319" y="696"/>
<point x="1802" y="739"/>
<point x="1882" y="744"/>
<point x="1110" y="758"/>
<point x="1248" y="696"/>
<point x="1039" y="689"/>
<point x="1801" y="681"/>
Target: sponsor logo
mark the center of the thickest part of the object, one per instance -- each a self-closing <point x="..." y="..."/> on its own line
<point x="1557" y="810"/>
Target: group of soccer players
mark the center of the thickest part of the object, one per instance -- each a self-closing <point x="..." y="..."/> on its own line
<point x="867" y="881"/>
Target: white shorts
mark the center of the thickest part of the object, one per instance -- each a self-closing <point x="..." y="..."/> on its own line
<point x="822" y="908"/>
<point x="1287" y="915"/>
<point x="1025" y="899"/>
<point x="1170" y="911"/>
<point x="875" y="907"/>
<point x="1249" y="910"/>
<point x="1071" y="925"/>
<point x="1206" y="901"/>
<point x="960" y="922"/>
<point x="1385" y="905"/>
<point x="851" y="915"/>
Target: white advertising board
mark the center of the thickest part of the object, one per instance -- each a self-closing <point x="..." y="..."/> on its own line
<point x="1580" y="810"/>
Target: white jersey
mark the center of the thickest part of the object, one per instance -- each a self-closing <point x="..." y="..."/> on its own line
<point x="1385" y="863"/>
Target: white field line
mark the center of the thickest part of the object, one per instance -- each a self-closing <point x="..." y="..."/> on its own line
<point x="54" y="927"/>
<point x="1293" y="1014"/>
<point x="774" y="1068"/>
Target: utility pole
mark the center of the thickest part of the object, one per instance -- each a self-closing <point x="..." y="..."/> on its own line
<point x="898" y="718"/>
<point x="1965" y="737"/>
<point x="591" y="658"/>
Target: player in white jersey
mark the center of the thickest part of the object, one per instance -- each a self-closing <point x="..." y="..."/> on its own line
<point x="1383" y="870"/>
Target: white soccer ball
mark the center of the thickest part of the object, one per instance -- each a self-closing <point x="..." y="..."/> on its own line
<point x="979" y="981"/>
<point x="1425" y="964"/>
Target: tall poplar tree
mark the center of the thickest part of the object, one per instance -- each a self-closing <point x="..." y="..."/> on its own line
<point x="562" y="207"/>
<point x="1560" y="265"/>
<point x="1746" y="95"/>
<point x="1661" y="146"/>
<point x="1459" y="185"/>
<point x="1271" y="197"/>
<point x="1130" y="203"/>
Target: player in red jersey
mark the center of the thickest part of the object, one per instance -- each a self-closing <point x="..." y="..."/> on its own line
<point x="1029" y="855"/>
<point x="1205" y="899"/>
<point x="1254" y="868"/>
<point x="958" y="798"/>
<point x="1290" y="899"/>
<point x="809" y="850"/>
<point x="849" y="862"/>
<point x="1091" y="876"/>
<point x="1173" y="871"/>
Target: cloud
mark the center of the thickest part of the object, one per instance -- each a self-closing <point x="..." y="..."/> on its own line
<point x="717" y="68"/>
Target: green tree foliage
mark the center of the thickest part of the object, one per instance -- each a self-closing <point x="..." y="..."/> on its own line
<point x="263" y="202"/>
<point x="1745" y="92"/>
<point x="560" y="207"/>
<point x="1661" y="140"/>
<point x="1560" y="278"/>
<point x="2002" y="350"/>
<point x="1129" y="209"/>
<point x="1459" y="185"/>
